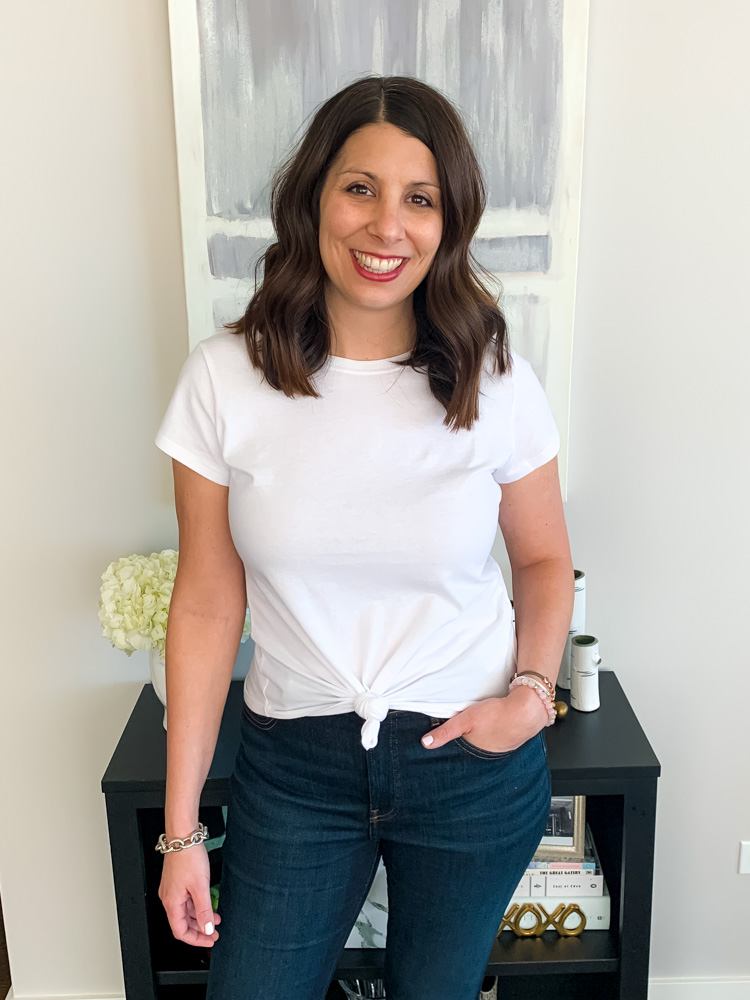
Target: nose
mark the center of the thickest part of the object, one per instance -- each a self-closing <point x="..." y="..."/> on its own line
<point x="386" y="222"/>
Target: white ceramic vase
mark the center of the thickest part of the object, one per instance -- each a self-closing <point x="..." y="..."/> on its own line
<point x="577" y="625"/>
<point x="158" y="669"/>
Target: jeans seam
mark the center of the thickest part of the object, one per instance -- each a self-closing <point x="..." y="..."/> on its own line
<point x="392" y="810"/>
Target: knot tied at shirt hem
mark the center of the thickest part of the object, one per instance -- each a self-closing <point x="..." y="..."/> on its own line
<point x="373" y="709"/>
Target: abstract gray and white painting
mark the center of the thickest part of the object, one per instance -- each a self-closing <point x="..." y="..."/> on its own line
<point x="248" y="76"/>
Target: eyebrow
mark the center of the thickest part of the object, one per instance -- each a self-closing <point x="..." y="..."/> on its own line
<point x="374" y="178"/>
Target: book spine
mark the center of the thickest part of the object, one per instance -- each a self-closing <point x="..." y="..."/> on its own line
<point x="592" y="869"/>
<point x="575" y="885"/>
<point x="596" y="909"/>
<point x="540" y="884"/>
<point x="560" y="866"/>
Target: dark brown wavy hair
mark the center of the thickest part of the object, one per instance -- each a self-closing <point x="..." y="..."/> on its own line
<point x="458" y="320"/>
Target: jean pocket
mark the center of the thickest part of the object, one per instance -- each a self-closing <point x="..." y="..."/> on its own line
<point x="475" y="751"/>
<point x="256" y="719"/>
<point x="481" y="752"/>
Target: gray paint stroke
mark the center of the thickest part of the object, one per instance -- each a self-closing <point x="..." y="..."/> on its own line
<point x="513" y="254"/>
<point x="235" y="256"/>
<point x="265" y="68"/>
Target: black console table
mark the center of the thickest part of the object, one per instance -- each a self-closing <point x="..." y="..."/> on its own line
<point x="603" y="755"/>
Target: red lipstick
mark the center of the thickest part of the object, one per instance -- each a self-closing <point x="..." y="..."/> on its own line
<point x="387" y="276"/>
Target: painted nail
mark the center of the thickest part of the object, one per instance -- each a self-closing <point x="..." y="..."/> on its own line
<point x="427" y="740"/>
<point x="209" y="928"/>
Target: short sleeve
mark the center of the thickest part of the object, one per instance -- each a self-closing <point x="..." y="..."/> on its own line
<point x="535" y="438"/>
<point x="188" y="431"/>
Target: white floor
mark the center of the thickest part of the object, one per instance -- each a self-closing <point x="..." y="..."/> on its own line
<point x="659" y="989"/>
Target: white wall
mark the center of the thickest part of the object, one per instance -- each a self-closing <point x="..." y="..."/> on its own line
<point x="659" y="433"/>
<point x="94" y="335"/>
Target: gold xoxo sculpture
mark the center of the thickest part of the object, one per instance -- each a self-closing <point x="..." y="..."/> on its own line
<point x="543" y="920"/>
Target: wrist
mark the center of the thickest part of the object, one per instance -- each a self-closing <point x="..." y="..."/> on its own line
<point x="180" y="830"/>
<point x="530" y="704"/>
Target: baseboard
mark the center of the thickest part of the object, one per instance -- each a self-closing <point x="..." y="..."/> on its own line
<point x="658" y="989"/>
<point x="70" y="996"/>
<point x="699" y="989"/>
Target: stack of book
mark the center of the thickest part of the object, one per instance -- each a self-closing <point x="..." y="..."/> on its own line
<point x="546" y="883"/>
<point x="562" y="880"/>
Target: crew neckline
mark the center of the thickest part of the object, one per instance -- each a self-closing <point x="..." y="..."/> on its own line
<point x="376" y="365"/>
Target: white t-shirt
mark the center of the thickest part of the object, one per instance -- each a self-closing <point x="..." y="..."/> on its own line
<point x="365" y="527"/>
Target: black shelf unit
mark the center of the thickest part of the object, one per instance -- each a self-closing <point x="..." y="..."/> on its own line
<point x="603" y="755"/>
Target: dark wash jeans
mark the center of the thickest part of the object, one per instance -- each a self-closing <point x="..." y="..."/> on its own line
<point x="310" y="812"/>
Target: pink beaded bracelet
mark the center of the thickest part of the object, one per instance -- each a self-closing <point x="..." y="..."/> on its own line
<point x="543" y="693"/>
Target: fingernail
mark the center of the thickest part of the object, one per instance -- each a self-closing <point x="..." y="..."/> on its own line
<point x="209" y="928"/>
<point x="427" y="740"/>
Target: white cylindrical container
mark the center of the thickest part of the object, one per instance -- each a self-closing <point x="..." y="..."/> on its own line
<point x="577" y="625"/>
<point x="584" y="673"/>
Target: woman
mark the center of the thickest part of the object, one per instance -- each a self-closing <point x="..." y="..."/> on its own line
<point x="338" y="457"/>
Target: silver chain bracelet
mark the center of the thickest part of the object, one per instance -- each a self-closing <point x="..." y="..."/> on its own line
<point x="196" y="837"/>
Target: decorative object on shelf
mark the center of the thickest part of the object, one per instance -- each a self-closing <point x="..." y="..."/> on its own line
<point x="577" y="625"/>
<point x="561" y="893"/>
<point x="488" y="989"/>
<point x="134" y="602"/>
<point x="369" y="930"/>
<point x="597" y="911"/>
<point x="565" y="836"/>
<point x="158" y="671"/>
<point x="542" y="920"/>
<point x="363" y="989"/>
<point x="584" y="677"/>
<point x="551" y="881"/>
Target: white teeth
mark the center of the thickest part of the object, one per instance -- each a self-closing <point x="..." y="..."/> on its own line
<point x="376" y="263"/>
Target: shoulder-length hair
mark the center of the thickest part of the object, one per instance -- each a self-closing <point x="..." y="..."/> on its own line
<point x="458" y="320"/>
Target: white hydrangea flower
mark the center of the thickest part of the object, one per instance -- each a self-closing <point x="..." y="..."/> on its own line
<point x="134" y="601"/>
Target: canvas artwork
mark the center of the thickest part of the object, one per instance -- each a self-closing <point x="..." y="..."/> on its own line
<point x="247" y="77"/>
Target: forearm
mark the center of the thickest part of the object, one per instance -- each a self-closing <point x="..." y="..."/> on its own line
<point x="543" y="605"/>
<point x="201" y="648"/>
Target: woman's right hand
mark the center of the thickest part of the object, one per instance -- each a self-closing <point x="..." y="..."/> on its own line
<point x="186" y="896"/>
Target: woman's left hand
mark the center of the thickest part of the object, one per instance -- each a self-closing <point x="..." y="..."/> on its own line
<point x="495" y="724"/>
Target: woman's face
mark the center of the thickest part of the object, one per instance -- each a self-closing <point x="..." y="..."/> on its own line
<point x="380" y="209"/>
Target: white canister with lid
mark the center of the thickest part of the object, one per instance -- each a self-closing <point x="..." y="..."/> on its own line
<point x="584" y="673"/>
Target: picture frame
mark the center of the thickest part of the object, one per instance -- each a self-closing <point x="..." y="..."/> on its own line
<point x="565" y="836"/>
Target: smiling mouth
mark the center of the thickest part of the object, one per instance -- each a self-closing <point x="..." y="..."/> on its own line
<point x="378" y="265"/>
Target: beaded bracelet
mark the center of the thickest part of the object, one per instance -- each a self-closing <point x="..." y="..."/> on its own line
<point x="541" y="690"/>
<point x="542" y="677"/>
